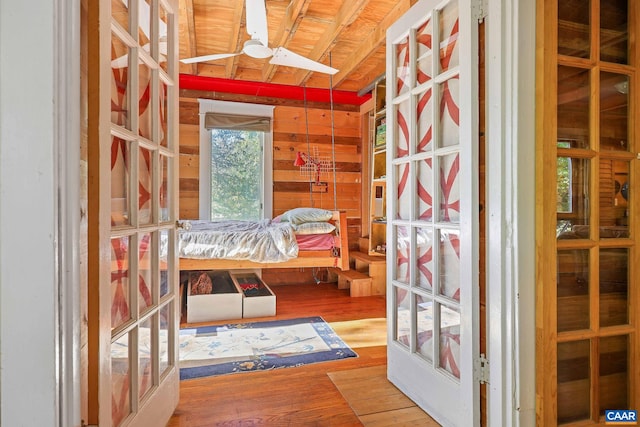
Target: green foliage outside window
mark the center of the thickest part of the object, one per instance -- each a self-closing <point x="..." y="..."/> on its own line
<point x="564" y="193"/>
<point x="236" y="174"/>
<point x="564" y="184"/>
<point x="563" y="167"/>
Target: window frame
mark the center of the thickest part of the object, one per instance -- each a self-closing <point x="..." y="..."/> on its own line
<point x="204" y="188"/>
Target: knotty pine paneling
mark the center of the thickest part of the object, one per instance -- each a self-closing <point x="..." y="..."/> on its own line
<point x="189" y="136"/>
<point x="290" y="188"/>
<point x="189" y="111"/>
<point x="296" y="120"/>
<point x="189" y="167"/>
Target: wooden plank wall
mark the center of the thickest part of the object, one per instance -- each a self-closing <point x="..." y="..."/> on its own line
<point x="189" y="159"/>
<point x="290" y="189"/>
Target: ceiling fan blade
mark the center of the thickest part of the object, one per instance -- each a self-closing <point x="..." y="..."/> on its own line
<point x="205" y="58"/>
<point x="282" y="56"/>
<point x="257" y="21"/>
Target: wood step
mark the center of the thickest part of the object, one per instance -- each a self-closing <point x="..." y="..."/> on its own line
<point x="358" y="283"/>
<point x="375" y="266"/>
<point x="366" y="258"/>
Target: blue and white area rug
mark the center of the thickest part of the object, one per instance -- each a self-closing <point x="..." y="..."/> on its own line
<point x="257" y="346"/>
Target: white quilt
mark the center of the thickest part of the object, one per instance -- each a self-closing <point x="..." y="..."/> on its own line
<point x="258" y="241"/>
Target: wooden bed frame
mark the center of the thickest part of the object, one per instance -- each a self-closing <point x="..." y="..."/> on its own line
<point x="322" y="258"/>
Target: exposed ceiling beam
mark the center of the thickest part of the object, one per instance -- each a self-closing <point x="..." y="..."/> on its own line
<point x="191" y="33"/>
<point x="294" y="14"/>
<point x="268" y="90"/>
<point x="348" y="12"/>
<point x="375" y="39"/>
<point x="231" y="64"/>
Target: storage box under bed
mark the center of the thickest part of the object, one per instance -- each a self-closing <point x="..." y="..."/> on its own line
<point x="223" y="303"/>
<point x="258" y="300"/>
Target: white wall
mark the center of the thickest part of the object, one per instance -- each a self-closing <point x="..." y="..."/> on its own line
<point x="27" y="214"/>
<point x="510" y="111"/>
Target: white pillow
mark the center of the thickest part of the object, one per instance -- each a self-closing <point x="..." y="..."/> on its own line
<point x="302" y="215"/>
<point x="314" y="228"/>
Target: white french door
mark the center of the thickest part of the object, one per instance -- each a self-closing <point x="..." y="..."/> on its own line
<point x="432" y="209"/>
<point x="133" y="204"/>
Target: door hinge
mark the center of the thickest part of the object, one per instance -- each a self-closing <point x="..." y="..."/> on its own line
<point x="482" y="369"/>
<point x="480" y="9"/>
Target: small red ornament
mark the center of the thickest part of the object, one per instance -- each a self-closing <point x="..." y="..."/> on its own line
<point x="299" y="160"/>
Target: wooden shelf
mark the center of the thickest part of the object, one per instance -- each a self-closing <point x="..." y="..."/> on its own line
<point x="378" y="206"/>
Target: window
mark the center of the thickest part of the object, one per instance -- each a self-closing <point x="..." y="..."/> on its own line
<point x="565" y="182"/>
<point x="235" y="160"/>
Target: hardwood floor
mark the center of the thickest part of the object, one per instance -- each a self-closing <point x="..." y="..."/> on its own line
<point x="376" y="401"/>
<point x="302" y="396"/>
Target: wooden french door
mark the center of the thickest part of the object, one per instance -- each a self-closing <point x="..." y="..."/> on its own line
<point x="587" y="168"/>
<point x="133" y="159"/>
<point x="432" y="209"/>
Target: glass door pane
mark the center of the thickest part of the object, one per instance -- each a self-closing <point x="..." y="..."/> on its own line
<point x="133" y="304"/>
<point x="433" y="281"/>
<point x="594" y="237"/>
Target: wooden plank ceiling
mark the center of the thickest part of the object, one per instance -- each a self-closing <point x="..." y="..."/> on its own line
<point x="346" y="34"/>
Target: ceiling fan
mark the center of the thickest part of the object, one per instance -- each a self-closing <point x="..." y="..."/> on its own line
<point x="258" y="46"/>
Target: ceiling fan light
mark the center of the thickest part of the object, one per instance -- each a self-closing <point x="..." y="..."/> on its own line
<point x="622" y="87"/>
<point x="255" y="49"/>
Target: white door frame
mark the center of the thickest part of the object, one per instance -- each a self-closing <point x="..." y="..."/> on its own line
<point x="67" y="157"/>
<point x="39" y="212"/>
<point x="510" y="203"/>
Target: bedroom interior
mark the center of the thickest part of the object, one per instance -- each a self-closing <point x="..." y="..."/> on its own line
<point x="346" y="121"/>
<point x="314" y="115"/>
<point x="562" y="97"/>
<point x="336" y="115"/>
<point x="307" y="117"/>
<point x="577" y="264"/>
<point x="339" y="116"/>
<point x="325" y="113"/>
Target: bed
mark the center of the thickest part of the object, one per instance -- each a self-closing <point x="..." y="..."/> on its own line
<point x="234" y="243"/>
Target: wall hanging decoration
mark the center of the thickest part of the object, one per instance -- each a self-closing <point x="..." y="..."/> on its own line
<point x="314" y="166"/>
